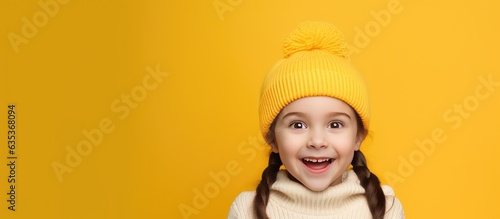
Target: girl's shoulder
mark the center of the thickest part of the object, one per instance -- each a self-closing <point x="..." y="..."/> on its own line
<point x="393" y="207"/>
<point x="388" y="191"/>
<point x="241" y="206"/>
<point x="245" y="197"/>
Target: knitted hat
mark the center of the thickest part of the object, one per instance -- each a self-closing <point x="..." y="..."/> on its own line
<point x="315" y="63"/>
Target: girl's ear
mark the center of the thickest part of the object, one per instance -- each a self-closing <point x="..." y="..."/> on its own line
<point x="358" y="144"/>
<point x="359" y="139"/>
<point x="274" y="148"/>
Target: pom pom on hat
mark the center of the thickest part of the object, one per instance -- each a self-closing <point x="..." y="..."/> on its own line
<point x="315" y="63"/>
<point x="316" y="35"/>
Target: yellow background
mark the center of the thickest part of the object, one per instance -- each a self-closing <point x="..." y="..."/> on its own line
<point x="201" y="120"/>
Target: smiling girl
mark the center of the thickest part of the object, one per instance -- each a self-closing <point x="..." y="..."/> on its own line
<point x="314" y="113"/>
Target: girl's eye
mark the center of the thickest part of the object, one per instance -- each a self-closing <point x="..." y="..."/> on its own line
<point x="298" y="125"/>
<point x="335" y="125"/>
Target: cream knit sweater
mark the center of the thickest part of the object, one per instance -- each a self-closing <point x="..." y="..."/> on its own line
<point x="290" y="199"/>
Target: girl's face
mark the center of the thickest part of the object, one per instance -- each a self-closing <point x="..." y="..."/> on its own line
<point x="316" y="138"/>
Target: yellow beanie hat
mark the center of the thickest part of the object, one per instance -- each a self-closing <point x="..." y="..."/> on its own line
<point x="315" y="63"/>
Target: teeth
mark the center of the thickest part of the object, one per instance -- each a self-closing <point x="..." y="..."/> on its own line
<point x="316" y="160"/>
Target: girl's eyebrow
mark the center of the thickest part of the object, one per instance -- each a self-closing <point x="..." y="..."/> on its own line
<point x="301" y="114"/>
<point x="340" y="114"/>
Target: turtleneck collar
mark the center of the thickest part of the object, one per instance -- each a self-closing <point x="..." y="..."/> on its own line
<point x="293" y="195"/>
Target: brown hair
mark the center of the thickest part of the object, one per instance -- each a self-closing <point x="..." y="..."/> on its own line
<point x="370" y="182"/>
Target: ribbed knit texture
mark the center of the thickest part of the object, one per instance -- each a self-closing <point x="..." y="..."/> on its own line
<point x="290" y="199"/>
<point x="315" y="64"/>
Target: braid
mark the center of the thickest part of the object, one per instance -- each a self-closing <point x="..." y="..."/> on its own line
<point x="373" y="192"/>
<point x="263" y="189"/>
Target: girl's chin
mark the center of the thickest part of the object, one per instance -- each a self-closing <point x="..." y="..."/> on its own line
<point x="317" y="189"/>
<point x="314" y="181"/>
<point x="317" y="185"/>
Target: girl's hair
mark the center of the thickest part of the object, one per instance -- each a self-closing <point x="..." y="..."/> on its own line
<point x="370" y="182"/>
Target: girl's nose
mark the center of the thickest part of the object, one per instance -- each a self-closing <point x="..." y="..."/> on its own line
<point x="317" y="139"/>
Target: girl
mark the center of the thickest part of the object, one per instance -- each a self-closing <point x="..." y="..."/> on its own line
<point x="314" y="114"/>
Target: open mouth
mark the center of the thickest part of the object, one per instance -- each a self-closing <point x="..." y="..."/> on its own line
<point x="317" y="163"/>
